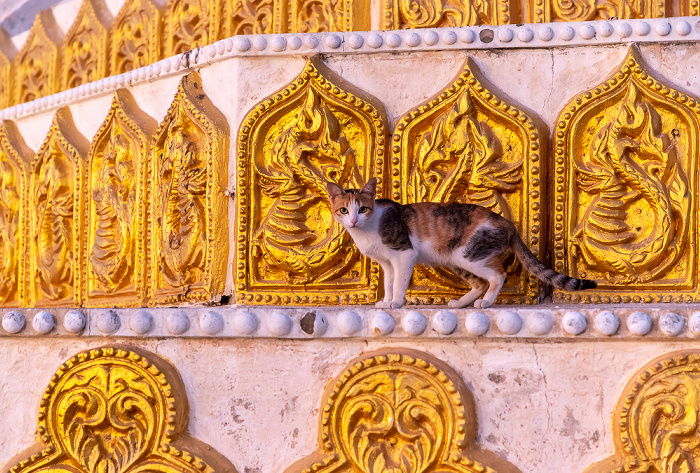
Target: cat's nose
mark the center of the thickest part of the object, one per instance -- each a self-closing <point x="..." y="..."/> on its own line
<point x="353" y="221"/>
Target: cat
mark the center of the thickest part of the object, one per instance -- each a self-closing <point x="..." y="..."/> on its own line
<point x="470" y="240"/>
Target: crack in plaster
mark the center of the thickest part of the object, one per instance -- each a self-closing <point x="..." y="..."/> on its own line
<point x="546" y="388"/>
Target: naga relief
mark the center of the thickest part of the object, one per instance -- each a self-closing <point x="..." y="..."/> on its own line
<point x="312" y="132"/>
<point x="189" y="154"/>
<point x="628" y="222"/>
<point x="468" y="145"/>
<point x="117" y="409"/>
<point x="117" y="206"/>
<point x="398" y="410"/>
<point x="136" y="36"/>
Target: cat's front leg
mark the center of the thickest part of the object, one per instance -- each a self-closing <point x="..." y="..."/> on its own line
<point x="403" y="270"/>
<point x="388" y="285"/>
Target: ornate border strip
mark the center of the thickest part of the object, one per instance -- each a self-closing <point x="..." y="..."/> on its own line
<point x="682" y="29"/>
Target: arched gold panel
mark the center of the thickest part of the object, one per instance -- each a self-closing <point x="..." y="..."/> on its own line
<point x="116" y="409"/>
<point x="626" y="190"/>
<point x="56" y="212"/>
<point x="188" y="204"/>
<point x="290" y="250"/>
<point x="400" y="14"/>
<point x="545" y="11"/>
<point x="655" y="426"/>
<point x="7" y="73"/>
<point x="117" y="205"/>
<point x="86" y="47"/>
<point x="250" y="17"/>
<point x="470" y="144"/>
<point x="136" y="36"/>
<point x="37" y="66"/>
<point x="398" y="410"/>
<point x="15" y="158"/>
<point x="190" y="24"/>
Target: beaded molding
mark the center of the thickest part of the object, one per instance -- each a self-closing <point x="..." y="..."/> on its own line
<point x="545" y="35"/>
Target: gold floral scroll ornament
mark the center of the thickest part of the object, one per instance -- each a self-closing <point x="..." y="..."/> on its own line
<point x="188" y="207"/>
<point x="136" y="36"/>
<point x="468" y="144"/>
<point x="398" y="411"/>
<point x="250" y="17"/>
<point x="15" y="157"/>
<point x="116" y="212"/>
<point x="115" y="410"/>
<point x="545" y="11"/>
<point x="7" y="55"/>
<point x="190" y="24"/>
<point x="56" y="215"/>
<point x="313" y="16"/>
<point x="625" y="152"/>
<point x="290" y="250"/>
<point x="399" y="14"/>
<point x="655" y="425"/>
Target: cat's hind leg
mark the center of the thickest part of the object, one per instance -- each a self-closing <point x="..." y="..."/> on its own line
<point x="478" y="287"/>
<point x="496" y="278"/>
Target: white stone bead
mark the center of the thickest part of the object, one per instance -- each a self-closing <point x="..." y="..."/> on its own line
<point x="607" y="323"/>
<point x="165" y="65"/>
<point x="155" y="70"/>
<point x="230" y="43"/>
<point x="526" y="35"/>
<point x="639" y="323"/>
<point x="509" y="322"/>
<point x="505" y="35"/>
<point x="242" y="43"/>
<point x="311" y="41"/>
<point x="414" y="323"/>
<point x="449" y="37"/>
<point x="220" y="47"/>
<point x="382" y="323"/>
<point x="177" y="322"/>
<point x="431" y="38"/>
<point x="259" y="43"/>
<point x="375" y="41"/>
<point x="349" y="322"/>
<point x="279" y="323"/>
<point x="314" y="323"/>
<point x="477" y="323"/>
<point x="546" y="34"/>
<point x="574" y="323"/>
<point x="74" y="321"/>
<point x="586" y="32"/>
<point x="356" y="41"/>
<point x="245" y="322"/>
<point x="671" y="324"/>
<point x="605" y="29"/>
<point x="642" y="28"/>
<point x="393" y="40"/>
<point x="566" y="33"/>
<point x="540" y="322"/>
<point x="278" y="43"/>
<point x="662" y="28"/>
<point x="413" y="40"/>
<point x="467" y="36"/>
<point x="683" y="28"/>
<point x="333" y="41"/>
<point x="43" y="322"/>
<point x="623" y="29"/>
<point x="294" y="43"/>
<point x="13" y="321"/>
<point x="694" y="324"/>
<point x="141" y="322"/>
<point x="211" y="322"/>
<point x="444" y="322"/>
<point x="108" y="322"/>
<point x="210" y="51"/>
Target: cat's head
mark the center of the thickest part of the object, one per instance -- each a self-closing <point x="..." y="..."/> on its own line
<point x="352" y="207"/>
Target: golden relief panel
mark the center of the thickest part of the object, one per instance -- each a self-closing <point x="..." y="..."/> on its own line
<point x="115" y="409"/>
<point x="655" y="426"/>
<point x="85" y="51"/>
<point x="290" y="249"/>
<point x="7" y="55"/>
<point x="190" y="24"/>
<point x="188" y="207"/>
<point x="250" y="17"/>
<point x="625" y="210"/>
<point x="399" y="410"/>
<point x="545" y="11"/>
<point x="400" y="14"/>
<point x="314" y="16"/>
<point x="56" y="223"/>
<point x="15" y="157"/>
<point x="116" y="209"/>
<point x="136" y="36"/>
<point x="469" y="144"/>
<point x="37" y="65"/>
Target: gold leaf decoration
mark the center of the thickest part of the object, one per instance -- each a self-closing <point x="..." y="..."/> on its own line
<point x="469" y="144"/>
<point x="115" y="409"/>
<point x="85" y="52"/>
<point x="545" y="11"/>
<point x="190" y="24"/>
<point x="250" y="17"/>
<point x="625" y="189"/>
<point x="15" y="157"/>
<point x="290" y="250"/>
<point x="400" y="14"/>
<point x="136" y="36"/>
<point x="655" y="421"/>
<point x="7" y="55"/>
<point x="398" y="410"/>
<point x="116" y="227"/>
<point x="37" y="65"/>
<point x="56" y="215"/>
<point x="314" y="16"/>
<point x="189" y="237"/>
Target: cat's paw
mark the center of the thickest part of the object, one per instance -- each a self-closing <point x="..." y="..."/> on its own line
<point x="383" y="305"/>
<point x="482" y="304"/>
<point x="454" y="304"/>
<point x="396" y="305"/>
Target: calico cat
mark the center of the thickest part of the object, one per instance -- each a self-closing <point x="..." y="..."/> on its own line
<point x="470" y="240"/>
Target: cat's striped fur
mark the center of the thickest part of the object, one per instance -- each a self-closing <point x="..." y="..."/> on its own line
<point x="471" y="240"/>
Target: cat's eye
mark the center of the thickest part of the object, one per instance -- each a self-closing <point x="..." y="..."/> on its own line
<point x="363" y="210"/>
<point x="343" y="210"/>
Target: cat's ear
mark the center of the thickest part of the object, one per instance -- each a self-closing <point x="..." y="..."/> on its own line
<point x="370" y="187"/>
<point x="334" y="190"/>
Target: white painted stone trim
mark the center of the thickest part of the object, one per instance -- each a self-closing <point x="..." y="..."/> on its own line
<point x="545" y="35"/>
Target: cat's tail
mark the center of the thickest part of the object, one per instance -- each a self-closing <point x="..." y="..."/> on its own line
<point x="545" y="274"/>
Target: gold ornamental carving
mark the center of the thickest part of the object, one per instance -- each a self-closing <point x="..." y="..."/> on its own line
<point x="655" y="427"/>
<point x="116" y="409"/>
<point x="400" y="14"/>
<point x="190" y="24"/>
<point x="290" y="250"/>
<point x="545" y="11"/>
<point x="398" y="410"/>
<point x="15" y="157"/>
<point x="469" y="144"/>
<point x="250" y="17"/>
<point x="85" y="51"/>
<point x="56" y="215"/>
<point x="314" y="16"/>
<point x="37" y="65"/>
<point x="189" y="208"/>
<point x="7" y="75"/>
<point x="624" y="216"/>
<point x="116" y="209"/>
<point x="136" y="36"/>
